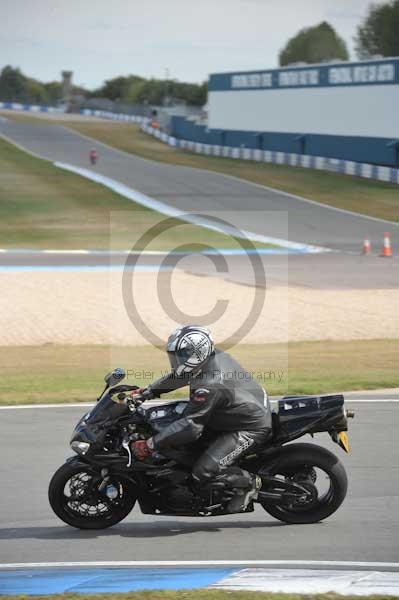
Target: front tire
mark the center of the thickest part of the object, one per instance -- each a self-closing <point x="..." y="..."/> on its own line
<point x="307" y="458"/>
<point x="75" y="498"/>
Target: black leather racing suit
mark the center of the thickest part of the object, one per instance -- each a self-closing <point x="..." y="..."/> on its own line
<point x="225" y="400"/>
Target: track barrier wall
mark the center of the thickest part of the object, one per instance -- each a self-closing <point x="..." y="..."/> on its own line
<point x="105" y="114"/>
<point x="374" y="150"/>
<point x="323" y="163"/>
<point x="30" y="107"/>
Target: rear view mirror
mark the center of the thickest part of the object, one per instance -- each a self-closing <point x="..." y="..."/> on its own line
<point x="115" y="377"/>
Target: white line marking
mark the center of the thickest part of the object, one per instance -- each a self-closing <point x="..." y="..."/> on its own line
<point x="61" y="405"/>
<point x="75" y="404"/>
<point x="312" y="581"/>
<point x="287" y="194"/>
<point x="65" y="251"/>
<point x="35" y="251"/>
<point x="11" y="141"/>
<point x="259" y="185"/>
<point x="204" y="563"/>
<point x="161" y="207"/>
<point x="370" y="400"/>
<point x="335" y="208"/>
<point x="106" y="253"/>
<point x="83" y="404"/>
<point x="171" y="211"/>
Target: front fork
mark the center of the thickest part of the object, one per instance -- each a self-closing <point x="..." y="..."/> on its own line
<point x="102" y="476"/>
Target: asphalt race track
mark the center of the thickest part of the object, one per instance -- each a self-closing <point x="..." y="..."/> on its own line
<point x="336" y="270"/>
<point x="34" y="442"/>
<point x="189" y="190"/>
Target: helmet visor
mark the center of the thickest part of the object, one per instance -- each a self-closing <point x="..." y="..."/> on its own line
<point x="189" y="351"/>
<point x="180" y="357"/>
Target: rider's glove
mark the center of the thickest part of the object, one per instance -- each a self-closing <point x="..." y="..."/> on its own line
<point x="143" y="448"/>
<point x="143" y="394"/>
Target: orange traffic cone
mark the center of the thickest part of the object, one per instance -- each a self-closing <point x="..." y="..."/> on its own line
<point x="366" y="246"/>
<point x="386" y="249"/>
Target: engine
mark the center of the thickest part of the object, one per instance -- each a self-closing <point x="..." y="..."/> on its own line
<point x="179" y="498"/>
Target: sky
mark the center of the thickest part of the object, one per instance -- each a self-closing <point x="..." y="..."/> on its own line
<point x="179" y="39"/>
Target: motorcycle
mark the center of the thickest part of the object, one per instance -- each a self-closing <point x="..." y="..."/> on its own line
<point x="93" y="157"/>
<point x="100" y="485"/>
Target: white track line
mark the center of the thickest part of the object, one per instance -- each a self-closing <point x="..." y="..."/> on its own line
<point x="258" y="185"/>
<point x="205" y="563"/>
<point x="206" y="171"/>
<point x="334" y="208"/>
<point x="22" y="406"/>
<point x="166" y="209"/>
<point x="72" y="404"/>
<point x="350" y="582"/>
<point x="23" y="148"/>
<point x="35" y="251"/>
<point x="195" y="219"/>
<point x="370" y="400"/>
<point x="84" y="404"/>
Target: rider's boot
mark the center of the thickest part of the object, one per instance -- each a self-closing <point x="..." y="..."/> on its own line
<point x="242" y="498"/>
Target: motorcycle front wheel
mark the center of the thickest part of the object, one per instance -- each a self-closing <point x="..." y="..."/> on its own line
<point x="75" y="497"/>
<point x="316" y="469"/>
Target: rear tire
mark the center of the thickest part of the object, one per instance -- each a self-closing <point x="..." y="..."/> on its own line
<point x="290" y="460"/>
<point x="68" y="510"/>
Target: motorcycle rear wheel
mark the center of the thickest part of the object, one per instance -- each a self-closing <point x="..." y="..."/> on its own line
<point x="74" y="497"/>
<point x="297" y="458"/>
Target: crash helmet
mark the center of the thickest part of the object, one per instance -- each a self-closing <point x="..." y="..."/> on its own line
<point x="189" y="349"/>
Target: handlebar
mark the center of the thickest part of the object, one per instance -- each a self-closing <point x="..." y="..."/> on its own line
<point x="123" y="388"/>
<point x="132" y="402"/>
<point x="138" y="399"/>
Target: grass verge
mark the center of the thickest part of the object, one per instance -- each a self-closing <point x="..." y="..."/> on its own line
<point x="373" y="198"/>
<point x="51" y="373"/>
<point x="42" y="206"/>
<point x="199" y="595"/>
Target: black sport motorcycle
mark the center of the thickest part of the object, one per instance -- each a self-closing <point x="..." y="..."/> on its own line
<point x="301" y="483"/>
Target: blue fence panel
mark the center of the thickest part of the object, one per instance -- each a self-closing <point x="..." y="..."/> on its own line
<point x="349" y="167"/>
<point x="359" y="149"/>
<point x="382" y="151"/>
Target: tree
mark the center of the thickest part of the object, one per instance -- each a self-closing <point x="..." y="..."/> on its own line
<point x="313" y="45"/>
<point x="134" y="93"/>
<point x="16" y="87"/>
<point x="116" y="88"/>
<point x="12" y="85"/>
<point x="190" y="92"/>
<point x="379" y="32"/>
<point x="130" y="89"/>
<point x="54" y="91"/>
<point x="35" y="92"/>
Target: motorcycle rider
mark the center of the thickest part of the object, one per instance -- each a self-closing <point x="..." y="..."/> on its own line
<point x="224" y="400"/>
<point x="93" y="156"/>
